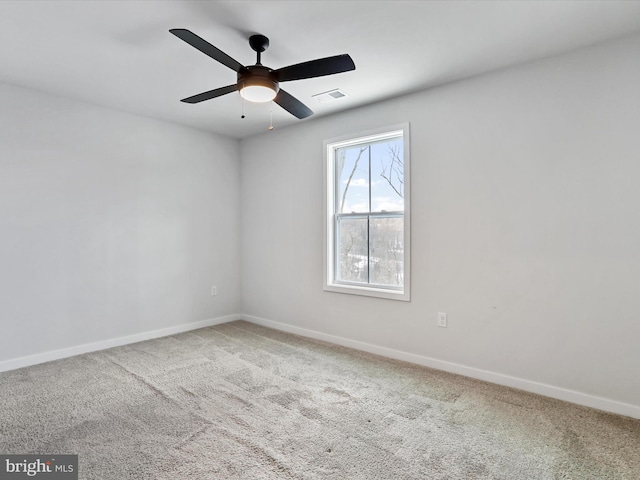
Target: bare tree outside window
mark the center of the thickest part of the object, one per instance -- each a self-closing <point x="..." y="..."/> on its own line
<point x="393" y="171"/>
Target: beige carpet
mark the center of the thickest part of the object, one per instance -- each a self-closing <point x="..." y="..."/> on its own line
<point x="239" y="401"/>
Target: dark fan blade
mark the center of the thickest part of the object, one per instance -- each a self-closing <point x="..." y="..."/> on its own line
<point x="218" y="92"/>
<point x="315" y="68"/>
<point x="292" y="105"/>
<point x="206" y="48"/>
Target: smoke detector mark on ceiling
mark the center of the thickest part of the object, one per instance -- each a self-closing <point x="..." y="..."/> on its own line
<point x="329" y="95"/>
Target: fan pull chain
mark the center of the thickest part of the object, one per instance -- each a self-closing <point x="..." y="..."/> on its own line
<point x="242" y="116"/>
<point x="271" y="116"/>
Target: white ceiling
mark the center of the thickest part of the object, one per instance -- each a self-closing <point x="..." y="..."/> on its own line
<point x="120" y="54"/>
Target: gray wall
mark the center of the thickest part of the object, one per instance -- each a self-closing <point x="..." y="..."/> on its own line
<point x="110" y="224"/>
<point x="525" y="226"/>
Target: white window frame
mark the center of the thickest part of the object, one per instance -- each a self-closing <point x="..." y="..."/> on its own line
<point x="329" y="184"/>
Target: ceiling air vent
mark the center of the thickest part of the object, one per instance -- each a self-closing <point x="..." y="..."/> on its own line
<point x="329" y="96"/>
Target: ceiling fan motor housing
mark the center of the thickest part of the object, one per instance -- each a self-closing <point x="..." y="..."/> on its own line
<point x="257" y="75"/>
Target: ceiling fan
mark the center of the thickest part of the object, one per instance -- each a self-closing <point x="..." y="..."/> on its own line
<point x="258" y="83"/>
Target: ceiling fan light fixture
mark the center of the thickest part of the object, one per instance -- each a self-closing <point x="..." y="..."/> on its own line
<point x="258" y="93"/>
<point x="257" y="85"/>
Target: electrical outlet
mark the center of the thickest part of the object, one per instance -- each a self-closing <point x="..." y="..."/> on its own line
<point x="442" y="319"/>
<point x="214" y="291"/>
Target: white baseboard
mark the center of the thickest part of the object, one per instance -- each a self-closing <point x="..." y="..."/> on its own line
<point x="29" y="360"/>
<point x="572" y="396"/>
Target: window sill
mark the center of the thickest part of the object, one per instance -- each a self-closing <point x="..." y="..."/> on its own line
<point x="369" y="292"/>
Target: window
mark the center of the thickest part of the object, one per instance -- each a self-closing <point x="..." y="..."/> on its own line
<point x="367" y="214"/>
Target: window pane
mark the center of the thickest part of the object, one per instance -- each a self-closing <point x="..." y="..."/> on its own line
<point x="352" y="174"/>
<point x="387" y="251"/>
<point x="387" y="176"/>
<point x="352" y="250"/>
